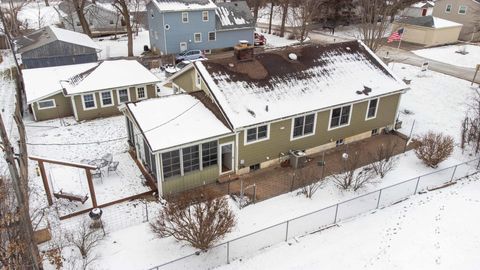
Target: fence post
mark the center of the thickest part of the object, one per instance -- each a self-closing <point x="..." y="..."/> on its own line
<point x="416" y="187"/>
<point x="478" y="164"/>
<point x="379" y="195"/>
<point x="336" y="212"/>
<point x="228" y="252"/>
<point x="286" y="232"/>
<point x="453" y="174"/>
<point x="146" y="211"/>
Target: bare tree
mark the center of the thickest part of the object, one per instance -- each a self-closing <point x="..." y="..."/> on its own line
<point x="351" y="176"/>
<point x="270" y="18"/>
<point x="470" y="133"/>
<point x="79" y="7"/>
<point x="10" y="12"/>
<point x="123" y="7"/>
<point x="384" y="159"/>
<point x="85" y="239"/>
<point x="284" y="4"/>
<point x="303" y="15"/>
<point x="256" y="7"/>
<point x="311" y="179"/>
<point x="434" y="148"/>
<point x="199" y="220"/>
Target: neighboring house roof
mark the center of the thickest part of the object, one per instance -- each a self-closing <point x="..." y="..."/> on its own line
<point x="232" y="15"/>
<point x="76" y="79"/>
<point x="50" y="34"/>
<point x="183" y="5"/>
<point x="423" y="4"/>
<point x="66" y="7"/>
<point x="429" y="21"/>
<point x="183" y="119"/>
<point x="273" y="87"/>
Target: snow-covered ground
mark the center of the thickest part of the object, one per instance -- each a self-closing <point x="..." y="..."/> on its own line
<point x="292" y="18"/>
<point x="437" y="230"/>
<point x="145" y="250"/>
<point x="449" y="55"/>
<point x="118" y="47"/>
<point x="36" y="14"/>
<point x="274" y="41"/>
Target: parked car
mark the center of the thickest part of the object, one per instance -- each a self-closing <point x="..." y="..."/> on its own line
<point x="190" y="55"/>
<point x="172" y="69"/>
<point x="260" y="39"/>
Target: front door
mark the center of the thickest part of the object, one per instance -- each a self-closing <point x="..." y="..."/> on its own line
<point x="183" y="46"/>
<point x="424" y="12"/>
<point x="226" y="158"/>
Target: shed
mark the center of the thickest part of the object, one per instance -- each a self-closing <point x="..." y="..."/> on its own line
<point x="53" y="46"/>
<point x="428" y="30"/>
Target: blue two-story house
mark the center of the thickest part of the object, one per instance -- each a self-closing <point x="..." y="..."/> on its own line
<point x="179" y="25"/>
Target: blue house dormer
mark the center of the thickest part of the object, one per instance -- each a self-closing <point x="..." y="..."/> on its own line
<point x="180" y="25"/>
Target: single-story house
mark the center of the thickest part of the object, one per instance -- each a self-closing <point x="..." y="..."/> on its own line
<point x="232" y="117"/>
<point x="87" y="91"/>
<point x="428" y="30"/>
<point x="53" y="46"/>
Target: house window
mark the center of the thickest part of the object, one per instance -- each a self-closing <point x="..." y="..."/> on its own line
<point x="374" y="131"/>
<point x="46" y="104"/>
<point x="89" y="101"/>
<point x="205" y="16"/>
<point x="462" y="10"/>
<point x="198" y="80"/>
<point x="191" y="159"/>
<point x="372" y="108"/>
<point x="339" y="142"/>
<point x="106" y="98"/>
<point x="303" y="125"/>
<point x="448" y="8"/>
<point x="259" y="133"/>
<point x="340" y="116"/>
<point x="254" y="167"/>
<point x="123" y="96"/>
<point x="209" y="154"/>
<point x="197" y="37"/>
<point x="151" y="13"/>
<point x="111" y="22"/>
<point x="184" y="17"/>
<point x="212" y="36"/>
<point x="171" y="164"/>
<point x="141" y="94"/>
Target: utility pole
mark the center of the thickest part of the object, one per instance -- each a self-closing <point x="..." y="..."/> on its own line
<point x="19" y="186"/>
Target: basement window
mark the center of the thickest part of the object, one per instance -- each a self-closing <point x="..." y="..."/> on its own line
<point x="255" y="167"/>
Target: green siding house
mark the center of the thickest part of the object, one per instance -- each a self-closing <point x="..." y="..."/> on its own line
<point x="87" y="91"/>
<point x="308" y="98"/>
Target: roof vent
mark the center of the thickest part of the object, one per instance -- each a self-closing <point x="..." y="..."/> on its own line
<point x="251" y="112"/>
<point x="266" y="108"/>
<point x="348" y="48"/>
<point x="292" y="56"/>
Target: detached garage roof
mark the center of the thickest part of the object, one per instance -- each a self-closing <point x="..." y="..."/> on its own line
<point x="429" y="21"/>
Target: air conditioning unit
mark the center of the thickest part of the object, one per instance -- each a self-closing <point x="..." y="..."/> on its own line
<point x="298" y="158"/>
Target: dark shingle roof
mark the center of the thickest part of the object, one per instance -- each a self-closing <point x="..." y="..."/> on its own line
<point x="426" y="21"/>
<point x="232" y="15"/>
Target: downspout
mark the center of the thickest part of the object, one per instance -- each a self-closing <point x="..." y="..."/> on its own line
<point x="164" y="33"/>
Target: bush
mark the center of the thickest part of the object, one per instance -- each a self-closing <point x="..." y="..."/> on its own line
<point x="200" y="220"/>
<point x="434" y="148"/>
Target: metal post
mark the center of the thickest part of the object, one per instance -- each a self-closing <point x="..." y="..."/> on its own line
<point x="379" y="195"/>
<point x="286" y="232"/>
<point x="416" y="187"/>
<point x="146" y="210"/>
<point x="241" y="193"/>
<point x="228" y="252"/>
<point x="409" y="136"/>
<point x="254" y="192"/>
<point x="453" y="174"/>
<point x="336" y="212"/>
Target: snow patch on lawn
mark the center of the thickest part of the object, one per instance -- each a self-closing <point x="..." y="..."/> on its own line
<point x="118" y="47"/>
<point x="449" y="55"/>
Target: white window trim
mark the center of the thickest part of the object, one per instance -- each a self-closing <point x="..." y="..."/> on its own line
<point x="209" y="36"/>
<point x="194" y="40"/>
<point x="118" y="95"/>
<point x="446" y="8"/>
<point x="101" y="99"/>
<point x="208" y="16"/>
<point x="293" y="124"/>
<point x="46" y="108"/>
<point x="174" y="85"/>
<point x="466" y="8"/>
<point x="144" y="89"/>
<point x="376" y="109"/>
<point x="219" y="157"/>
<point x="183" y="13"/>
<point x="245" y="142"/>
<point x="198" y="79"/>
<point x="94" y="102"/>
<point x="349" y="117"/>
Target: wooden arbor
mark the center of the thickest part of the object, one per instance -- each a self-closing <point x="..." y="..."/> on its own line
<point x="46" y="186"/>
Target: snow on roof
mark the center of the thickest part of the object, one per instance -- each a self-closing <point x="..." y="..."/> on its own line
<point x="442" y="23"/>
<point x="231" y="15"/>
<point x="43" y="82"/>
<point x="429" y="21"/>
<point x="273" y="87"/>
<point x="108" y="75"/>
<point x="175" y="120"/>
<point x="74" y="37"/>
<point x="423" y="4"/>
<point x="183" y="5"/>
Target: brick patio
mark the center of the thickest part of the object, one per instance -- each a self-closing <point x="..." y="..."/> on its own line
<point x="277" y="180"/>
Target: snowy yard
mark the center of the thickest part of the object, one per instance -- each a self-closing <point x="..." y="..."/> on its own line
<point x="140" y="244"/>
<point x="118" y="47"/>
<point x="449" y="55"/>
<point x="274" y="41"/>
<point x="36" y="14"/>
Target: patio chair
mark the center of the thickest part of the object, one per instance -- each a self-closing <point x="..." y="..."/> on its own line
<point x="98" y="174"/>
<point x="108" y="157"/>
<point x="112" y="167"/>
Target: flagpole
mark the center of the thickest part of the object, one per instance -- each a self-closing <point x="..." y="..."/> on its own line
<point x="401" y="38"/>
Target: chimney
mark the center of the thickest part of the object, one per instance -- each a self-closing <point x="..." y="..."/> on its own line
<point x="243" y="51"/>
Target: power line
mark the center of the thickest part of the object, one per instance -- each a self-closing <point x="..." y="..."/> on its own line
<point x="119" y="138"/>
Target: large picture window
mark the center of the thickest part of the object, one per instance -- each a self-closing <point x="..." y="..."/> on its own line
<point x="191" y="160"/>
<point x="257" y="134"/>
<point x="340" y="116"/>
<point x="303" y="125"/>
<point x="89" y="101"/>
<point x="372" y="108"/>
<point x="171" y="164"/>
<point x="209" y="154"/>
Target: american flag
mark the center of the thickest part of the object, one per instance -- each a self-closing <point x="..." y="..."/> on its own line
<point x="397" y="35"/>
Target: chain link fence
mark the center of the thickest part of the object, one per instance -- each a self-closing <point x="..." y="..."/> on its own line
<point x="249" y="245"/>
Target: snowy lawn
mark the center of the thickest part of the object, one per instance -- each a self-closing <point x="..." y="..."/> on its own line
<point x="36" y="14"/>
<point x="62" y="134"/>
<point x="274" y="41"/>
<point x="428" y="231"/>
<point x="449" y="55"/>
<point x="118" y="47"/>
